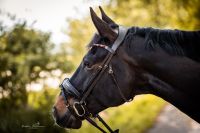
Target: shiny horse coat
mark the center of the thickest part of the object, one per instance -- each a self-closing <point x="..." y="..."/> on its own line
<point x="165" y="63"/>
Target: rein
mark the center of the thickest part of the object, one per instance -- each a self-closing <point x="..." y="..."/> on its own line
<point x="80" y="107"/>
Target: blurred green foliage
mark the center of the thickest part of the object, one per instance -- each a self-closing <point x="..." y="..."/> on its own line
<point x="24" y="54"/>
<point x="80" y="33"/>
<point x="27" y="119"/>
<point x="174" y="14"/>
<point x="179" y="14"/>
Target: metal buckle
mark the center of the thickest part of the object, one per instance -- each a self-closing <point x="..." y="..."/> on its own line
<point x="76" y="110"/>
<point x="100" y="67"/>
<point x="110" y="71"/>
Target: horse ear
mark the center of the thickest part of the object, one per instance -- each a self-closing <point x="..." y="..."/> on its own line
<point x="105" y="17"/>
<point x="102" y="27"/>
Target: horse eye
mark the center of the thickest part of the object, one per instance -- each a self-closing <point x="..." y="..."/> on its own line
<point x="86" y="63"/>
<point x="105" y="40"/>
<point x="93" y="50"/>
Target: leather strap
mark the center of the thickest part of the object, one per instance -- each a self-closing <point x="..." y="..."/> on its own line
<point x="69" y="88"/>
<point x="105" y="47"/>
<point x="121" y="35"/>
<point x="116" y="84"/>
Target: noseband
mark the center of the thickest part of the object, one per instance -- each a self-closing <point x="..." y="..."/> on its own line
<point x="68" y="89"/>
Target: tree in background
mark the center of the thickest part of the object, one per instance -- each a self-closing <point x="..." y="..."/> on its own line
<point x="24" y="54"/>
<point x="179" y="14"/>
<point x="80" y="32"/>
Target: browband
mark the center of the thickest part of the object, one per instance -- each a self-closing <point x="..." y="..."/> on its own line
<point x="121" y="34"/>
<point x="105" y="47"/>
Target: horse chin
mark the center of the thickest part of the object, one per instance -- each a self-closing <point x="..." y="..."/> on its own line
<point x="70" y="122"/>
<point x="67" y="120"/>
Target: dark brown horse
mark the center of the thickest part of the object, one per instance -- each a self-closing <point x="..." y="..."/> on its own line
<point x="147" y="61"/>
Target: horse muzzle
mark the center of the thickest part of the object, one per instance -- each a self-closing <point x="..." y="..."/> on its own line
<point x="67" y="120"/>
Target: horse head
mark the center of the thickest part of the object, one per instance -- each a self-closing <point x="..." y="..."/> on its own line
<point x="115" y="85"/>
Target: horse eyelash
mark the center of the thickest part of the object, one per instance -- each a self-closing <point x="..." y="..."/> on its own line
<point x="91" y="49"/>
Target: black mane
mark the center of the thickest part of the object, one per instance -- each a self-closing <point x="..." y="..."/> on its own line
<point x="174" y="42"/>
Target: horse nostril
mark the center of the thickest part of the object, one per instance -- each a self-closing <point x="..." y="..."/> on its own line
<point x="54" y="111"/>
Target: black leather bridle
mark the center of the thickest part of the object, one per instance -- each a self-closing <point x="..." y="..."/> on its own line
<point x="68" y="89"/>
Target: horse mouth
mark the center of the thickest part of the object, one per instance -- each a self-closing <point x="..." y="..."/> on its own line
<point x="67" y="120"/>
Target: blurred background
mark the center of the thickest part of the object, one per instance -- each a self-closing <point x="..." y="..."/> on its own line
<point x="43" y="41"/>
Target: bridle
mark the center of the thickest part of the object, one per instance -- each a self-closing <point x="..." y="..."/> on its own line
<point x="68" y="89"/>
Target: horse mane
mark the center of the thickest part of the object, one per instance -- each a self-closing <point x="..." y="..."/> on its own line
<point x="174" y="42"/>
<point x="168" y="40"/>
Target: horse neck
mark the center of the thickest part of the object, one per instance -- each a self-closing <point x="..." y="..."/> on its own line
<point x="190" y="43"/>
<point x="160" y="67"/>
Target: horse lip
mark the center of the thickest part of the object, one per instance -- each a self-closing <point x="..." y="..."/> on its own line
<point x="67" y="120"/>
<point x="69" y="123"/>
